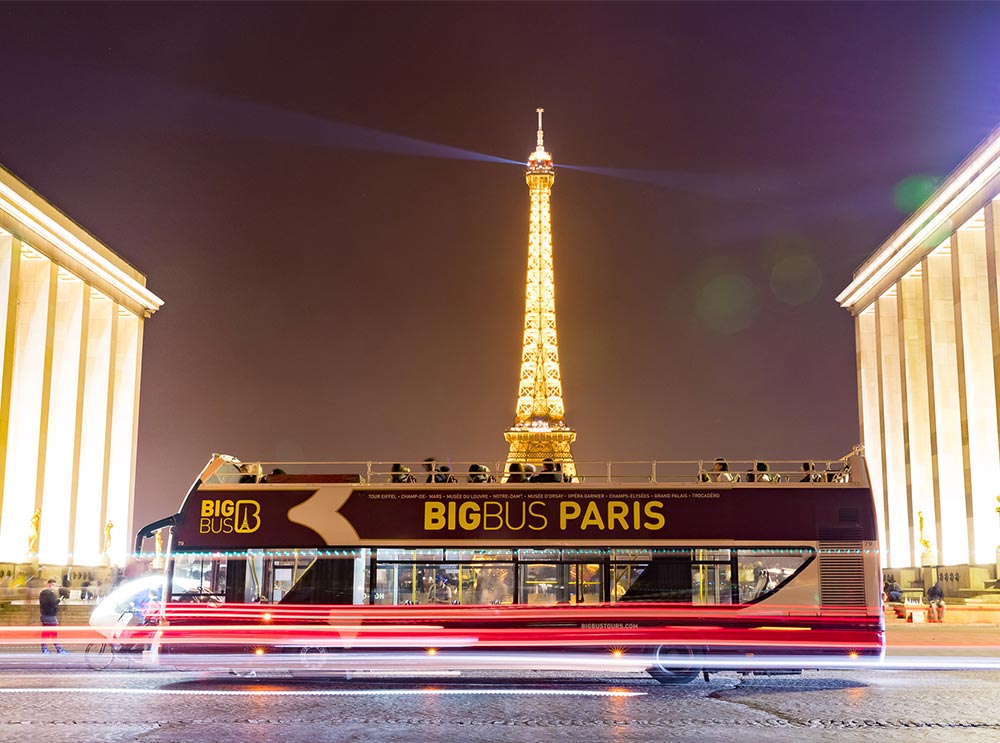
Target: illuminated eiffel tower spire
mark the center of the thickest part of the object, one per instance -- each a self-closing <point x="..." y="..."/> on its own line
<point x="539" y="430"/>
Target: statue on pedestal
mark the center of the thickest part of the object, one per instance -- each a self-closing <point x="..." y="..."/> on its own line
<point x="36" y="520"/>
<point x="107" y="536"/>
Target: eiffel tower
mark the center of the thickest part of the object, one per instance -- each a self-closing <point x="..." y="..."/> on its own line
<point x="539" y="431"/>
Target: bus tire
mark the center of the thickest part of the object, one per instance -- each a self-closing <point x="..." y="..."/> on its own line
<point x="674" y="664"/>
<point x="311" y="661"/>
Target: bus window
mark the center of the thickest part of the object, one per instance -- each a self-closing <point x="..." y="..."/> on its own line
<point x="402" y="583"/>
<point x="203" y="578"/>
<point x="712" y="583"/>
<point x="543" y="583"/>
<point x="762" y="572"/>
<point x="326" y="580"/>
<point x="666" y="578"/>
<point x="587" y="581"/>
<point x="492" y="584"/>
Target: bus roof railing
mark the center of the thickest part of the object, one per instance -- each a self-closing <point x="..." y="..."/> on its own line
<point x="842" y="470"/>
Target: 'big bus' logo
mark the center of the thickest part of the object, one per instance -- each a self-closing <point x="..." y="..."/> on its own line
<point x="228" y="516"/>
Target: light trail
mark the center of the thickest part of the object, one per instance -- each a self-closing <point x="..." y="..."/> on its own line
<point x="328" y="692"/>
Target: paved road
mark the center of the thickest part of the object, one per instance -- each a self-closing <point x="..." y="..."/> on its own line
<point x="834" y="706"/>
<point x="58" y="703"/>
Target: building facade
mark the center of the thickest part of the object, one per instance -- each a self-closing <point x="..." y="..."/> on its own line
<point x="71" y="322"/>
<point x="928" y="360"/>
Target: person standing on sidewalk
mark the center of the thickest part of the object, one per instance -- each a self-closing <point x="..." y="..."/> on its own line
<point x="48" y="605"/>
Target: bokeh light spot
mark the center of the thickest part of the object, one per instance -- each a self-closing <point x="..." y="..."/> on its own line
<point x="796" y="279"/>
<point x="727" y="303"/>
<point x="911" y="192"/>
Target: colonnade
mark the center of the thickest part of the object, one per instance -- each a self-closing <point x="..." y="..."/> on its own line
<point x="71" y="323"/>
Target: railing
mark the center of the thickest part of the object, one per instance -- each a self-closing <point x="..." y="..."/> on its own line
<point x="667" y="472"/>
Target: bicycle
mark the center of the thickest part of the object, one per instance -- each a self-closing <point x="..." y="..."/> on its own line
<point x="99" y="656"/>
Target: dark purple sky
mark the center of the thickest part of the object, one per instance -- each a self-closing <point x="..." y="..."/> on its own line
<point x="343" y="274"/>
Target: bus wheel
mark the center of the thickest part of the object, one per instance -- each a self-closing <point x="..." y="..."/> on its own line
<point x="674" y="664"/>
<point x="311" y="661"/>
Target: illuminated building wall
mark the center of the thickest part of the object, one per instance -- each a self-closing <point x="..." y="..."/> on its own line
<point x="928" y="346"/>
<point x="71" y="318"/>
<point x="539" y="430"/>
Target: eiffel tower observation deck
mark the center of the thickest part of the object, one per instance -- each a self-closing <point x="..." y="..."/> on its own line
<point x="540" y="431"/>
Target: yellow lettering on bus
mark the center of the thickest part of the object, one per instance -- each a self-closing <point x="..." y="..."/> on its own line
<point x="468" y="516"/>
<point x="592" y="517"/>
<point x="618" y="513"/>
<point x="654" y="518"/>
<point x="495" y="517"/>
<point x="542" y="521"/>
<point x="433" y="516"/>
<point x="568" y="511"/>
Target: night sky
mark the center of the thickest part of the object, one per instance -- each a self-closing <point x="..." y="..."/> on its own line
<point x="330" y="199"/>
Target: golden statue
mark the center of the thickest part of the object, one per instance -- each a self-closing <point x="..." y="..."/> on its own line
<point x="925" y="543"/>
<point x="107" y="536"/>
<point x="159" y="543"/>
<point x="36" y="520"/>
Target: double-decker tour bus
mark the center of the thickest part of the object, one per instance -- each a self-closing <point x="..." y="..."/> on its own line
<point x="670" y="562"/>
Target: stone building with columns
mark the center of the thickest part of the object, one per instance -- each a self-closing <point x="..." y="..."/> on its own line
<point x="71" y="323"/>
<point x="928" y="361"/>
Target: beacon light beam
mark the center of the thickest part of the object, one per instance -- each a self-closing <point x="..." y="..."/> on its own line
<point x="120" y="95"/>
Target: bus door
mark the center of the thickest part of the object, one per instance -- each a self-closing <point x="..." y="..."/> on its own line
<point x="563" y="578"/>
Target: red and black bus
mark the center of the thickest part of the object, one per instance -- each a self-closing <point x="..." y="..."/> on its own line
<point x="679" y="572"/>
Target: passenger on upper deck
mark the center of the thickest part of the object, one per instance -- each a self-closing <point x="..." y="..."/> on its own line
<point x="400" y="473"/>
<point x="274" y="475"/>
<point x="480" y="473"/>
<point x="809" y="473"/>
<point x="763" y="473"/>
<point x="515" y="473"/>
<point x="720" y="471"/>
<point x="549" y="472"/>
<point x="249" y="472"/>
<point x="444" y="474"/>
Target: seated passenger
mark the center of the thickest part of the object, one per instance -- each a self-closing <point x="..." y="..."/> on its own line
<point x="443" y="474"/>
<point x="809" y="473"/>
<point x="515" y="472"/>
<point x="480" y="473"/>
<point x="249" y="472"/>
<point x="763" y="473"/>
<point x="400" y="473"/>
<point x="549" y="472"/>
<point x="720" y="471"/>
<point x="274" y="475"/>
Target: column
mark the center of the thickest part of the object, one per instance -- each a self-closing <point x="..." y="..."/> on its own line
<point x="871" y="416"/>
<point x="980" y="408"/>
<point x="123" y="432"/>
<point x="897" y="516"/>
<point x="60" y="450"/>
<point x="914" y="351"/>
<point x="947" y="442"/>
<point x="88" y="527"/>
<point x="992" y="241"/>
<point x="10" y="271"/>
<point x="28" y="388"/>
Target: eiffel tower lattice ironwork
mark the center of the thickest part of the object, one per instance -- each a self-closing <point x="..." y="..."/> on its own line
<point x="539" y="429"/>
